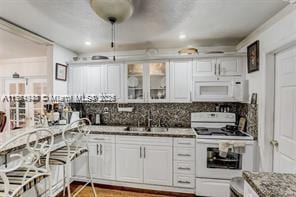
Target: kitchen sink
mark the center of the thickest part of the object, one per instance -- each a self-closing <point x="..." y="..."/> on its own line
<point x="158" y="129"/>
<point x="143" y="129"/>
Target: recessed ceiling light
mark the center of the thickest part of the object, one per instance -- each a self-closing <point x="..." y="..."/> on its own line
<point x="182" y="36"/>
<point x="87" y="43"/>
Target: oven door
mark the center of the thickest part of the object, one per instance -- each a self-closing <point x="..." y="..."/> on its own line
<point x="210" y="165"/>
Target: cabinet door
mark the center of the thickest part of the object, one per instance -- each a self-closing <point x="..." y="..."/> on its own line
<point x="114" y="80"/>
<point x="205" y="68"/>
<point x="135" y="83"/>
<point x="76" y="80"/>
<point x="230" y="66"/>
<point x="158" y="81"/>
<point x="129" y="164"/>
<point x="158" y="165"/>
<point x="95" y="79"/>
<point x="180" y="81"/>
<point x="80" y="167"/>
<point x="107" y="161"/>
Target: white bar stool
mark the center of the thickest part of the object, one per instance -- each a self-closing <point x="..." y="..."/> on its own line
<point x="75" y="137"/>
<point x="24" y="170"/>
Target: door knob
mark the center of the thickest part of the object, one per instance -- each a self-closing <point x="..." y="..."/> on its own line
<point x="274" y="143"/>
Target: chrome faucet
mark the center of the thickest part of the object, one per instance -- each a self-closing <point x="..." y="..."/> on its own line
<point x="149" y="119"/>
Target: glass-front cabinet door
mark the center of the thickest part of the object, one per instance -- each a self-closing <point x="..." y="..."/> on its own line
<point x="158" y="81"/>
<point x="135" y="82"/>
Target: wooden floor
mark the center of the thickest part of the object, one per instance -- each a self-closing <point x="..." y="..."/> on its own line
<point x="105" y="192"/>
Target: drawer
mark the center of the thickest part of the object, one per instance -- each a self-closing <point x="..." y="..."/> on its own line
<point x="187" y="181"/>
<point x="157" y="141"/>
<point x="184" y="167"/>
<point x="184" y="142"/>
<point x="184" y="154"/>
<point x="96" y="138"/>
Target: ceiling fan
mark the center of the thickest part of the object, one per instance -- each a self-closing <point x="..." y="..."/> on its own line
<point x="113" y="11"/>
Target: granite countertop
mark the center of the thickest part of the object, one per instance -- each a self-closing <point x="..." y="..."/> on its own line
<point x="120" y="130"/>
<point x="106" y="130"/>
<point x="268" y="184"/>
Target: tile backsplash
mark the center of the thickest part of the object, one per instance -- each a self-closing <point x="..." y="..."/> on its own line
<point x="166" y="114"/>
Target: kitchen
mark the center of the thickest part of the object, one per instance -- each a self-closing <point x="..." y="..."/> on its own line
<point x="181" y="109"/>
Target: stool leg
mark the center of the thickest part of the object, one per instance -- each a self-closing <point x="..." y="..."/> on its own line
<point x="68" y="178"/>
<point x="64" y="180"/>
<point x="90" y="175"/>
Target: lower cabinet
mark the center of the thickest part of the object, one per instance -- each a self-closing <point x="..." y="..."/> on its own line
<point x="129" y="163"/>
<point x="150" y="164"/>
<point x="102" y="162"/>
<point x="158" y="164"/>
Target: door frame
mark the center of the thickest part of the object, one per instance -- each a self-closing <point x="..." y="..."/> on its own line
<point x="269" y="101"/>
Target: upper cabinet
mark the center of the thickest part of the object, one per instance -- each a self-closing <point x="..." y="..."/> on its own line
<point x="181" y="81"/>
<point x="208" y="69"/>
<point x="96" y="79"/>
<point x="147" y="82"/>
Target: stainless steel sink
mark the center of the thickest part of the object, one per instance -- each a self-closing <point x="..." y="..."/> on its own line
<point x="158" y="129"/>
<point x="141" y="129"/>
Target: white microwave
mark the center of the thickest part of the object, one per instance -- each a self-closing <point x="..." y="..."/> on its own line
<point x="224" y="91"/>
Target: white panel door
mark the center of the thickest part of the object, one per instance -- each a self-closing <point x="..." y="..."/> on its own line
<point x="95" y="79"/>
<point x="114" y="80"/>
<point x="205" y="67"/>
<point x="129" y="163"/>
<point x="80" y="167"/>
<point x="76" y="80"/>
<point x="229" y="66"/>
<point x="107" y="161"/>
<point x="181" y="81"/>
<point x="285" y="112"/>
<point x="158" y="165"/>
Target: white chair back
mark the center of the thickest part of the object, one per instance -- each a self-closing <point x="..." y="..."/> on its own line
<point x="37" y="144"/>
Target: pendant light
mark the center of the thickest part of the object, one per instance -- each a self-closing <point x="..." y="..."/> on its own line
<point x="114" y="12"/>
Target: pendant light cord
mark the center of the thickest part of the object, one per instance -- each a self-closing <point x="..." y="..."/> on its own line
<point x="113" y="21"/>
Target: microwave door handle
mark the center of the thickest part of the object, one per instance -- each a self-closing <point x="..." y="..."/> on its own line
<point x="233" y="90"/>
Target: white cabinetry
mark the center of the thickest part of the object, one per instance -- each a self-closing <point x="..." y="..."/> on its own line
<point x="95" y="79"/>
<point x="147" y="82"/>
<point x="102" y="158"/>
<point x="180" y="81"/>
<point x="248" y="191"/>
<point x="144" y="160"/>
<point x="129" y="163"/>
<point x="184" y="162"/>
<point x="208" y="69"/>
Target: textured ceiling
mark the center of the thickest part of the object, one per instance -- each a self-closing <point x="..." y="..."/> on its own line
<point x="12" y="46"/>
<point x="155" y="23"/>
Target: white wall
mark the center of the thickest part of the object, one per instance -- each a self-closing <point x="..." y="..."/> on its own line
<point x="63" y="56"/>
<point x="276" y="34"/>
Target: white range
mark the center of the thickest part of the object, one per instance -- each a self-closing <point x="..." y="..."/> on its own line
<point x="213" y="173"/>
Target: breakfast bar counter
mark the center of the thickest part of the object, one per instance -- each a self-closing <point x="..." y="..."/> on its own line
<point x="269" y="184"/>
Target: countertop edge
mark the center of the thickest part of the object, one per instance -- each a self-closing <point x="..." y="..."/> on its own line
<point x="252" y="184"/>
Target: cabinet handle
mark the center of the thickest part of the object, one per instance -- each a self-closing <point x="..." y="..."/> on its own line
<point x="215" y="69"/>
<point x="181" y="168"/>
<point x="184" y="155"/>
<point x="101" y="149"/>
<point x="97" y="149"/>
<point x="184" y="182"/>
<point x="144" y="152"/>
<point x="219" y="69"/>
<point x="190" y="96"/>
<point x="140" y="152"/>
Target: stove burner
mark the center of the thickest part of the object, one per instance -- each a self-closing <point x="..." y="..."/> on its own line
<point x="218" y="132"/>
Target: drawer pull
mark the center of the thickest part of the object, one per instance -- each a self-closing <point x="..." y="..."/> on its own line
<point x="184" y="155"/>
<point x="181" y="168"/>
<point x="184" y="143"/>
<point x="99" y="138"/>
<point x="184" y="182"/>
